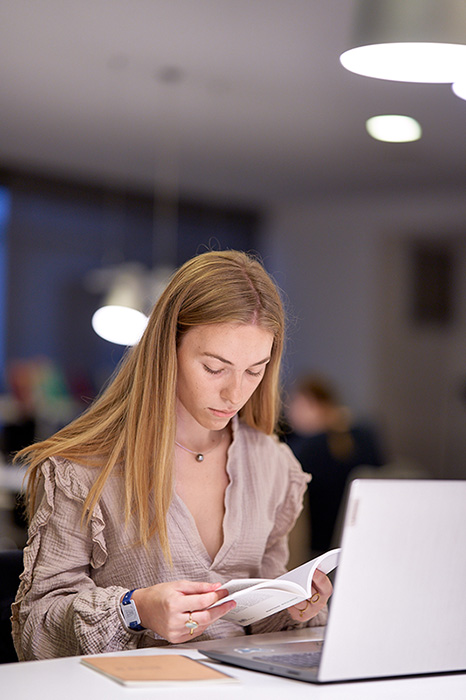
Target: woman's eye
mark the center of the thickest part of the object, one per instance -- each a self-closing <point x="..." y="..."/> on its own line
<point x="254" y="374"/>
<point x="212" y="371"/>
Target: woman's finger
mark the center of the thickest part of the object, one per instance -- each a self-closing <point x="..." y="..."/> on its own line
<point x="199" y="620"/>
<point x="201" y="601"/>
<point x="320" y="593"/>
<point x="322" y="584"/>
<point x="192" y="587"/>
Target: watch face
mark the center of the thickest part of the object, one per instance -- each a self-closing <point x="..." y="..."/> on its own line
<point x="130" y="614"/>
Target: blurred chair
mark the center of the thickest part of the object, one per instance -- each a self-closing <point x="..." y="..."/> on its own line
<point x="11" y="566"/>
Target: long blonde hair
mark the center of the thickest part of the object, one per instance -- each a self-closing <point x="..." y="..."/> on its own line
<point x="133" y="422"/>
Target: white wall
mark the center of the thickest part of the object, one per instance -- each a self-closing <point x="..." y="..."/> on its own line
<point x="339" y="260"/>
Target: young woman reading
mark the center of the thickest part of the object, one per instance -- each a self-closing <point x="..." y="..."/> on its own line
<point x="171" y="483"/>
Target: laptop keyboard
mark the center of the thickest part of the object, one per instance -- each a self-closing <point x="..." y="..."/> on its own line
<point x="304" y="659"/>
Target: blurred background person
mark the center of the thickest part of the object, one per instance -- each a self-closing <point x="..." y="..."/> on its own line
<point x="329" y="445"/>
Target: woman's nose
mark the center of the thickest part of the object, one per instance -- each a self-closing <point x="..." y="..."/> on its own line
<point x="232" y="391"/>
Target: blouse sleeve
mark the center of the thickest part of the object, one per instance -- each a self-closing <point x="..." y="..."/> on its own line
<point x="277" y="551"/>
<point x="59" y="611"/>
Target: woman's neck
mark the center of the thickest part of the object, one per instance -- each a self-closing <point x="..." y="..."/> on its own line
<point x="201" y="441"/>
<point x="194" y="436"/>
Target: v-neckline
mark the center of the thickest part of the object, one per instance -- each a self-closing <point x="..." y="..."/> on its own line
<point x="190" y="529"/>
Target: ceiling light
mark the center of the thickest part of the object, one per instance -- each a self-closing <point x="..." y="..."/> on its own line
<point x="394" y="128"/>
<point x="121" y="318"/>
<point x="459" y="88"/>
<point x="130" y="291"/>
<point x="119" y="324"/>
<point x="419" y="41"/>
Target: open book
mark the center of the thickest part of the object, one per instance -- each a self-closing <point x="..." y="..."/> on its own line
<point x="257" y="598"/>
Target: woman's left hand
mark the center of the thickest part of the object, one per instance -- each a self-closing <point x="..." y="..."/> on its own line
<point x="321" y="592"/>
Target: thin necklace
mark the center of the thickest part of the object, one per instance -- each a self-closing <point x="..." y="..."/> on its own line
<point x="199" y="456"/>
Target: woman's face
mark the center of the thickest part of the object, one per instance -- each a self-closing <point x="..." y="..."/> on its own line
<point x="219" y="367"/>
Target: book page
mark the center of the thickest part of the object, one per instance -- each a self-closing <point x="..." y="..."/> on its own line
<point x="257" y="601"/>
<point x="261" y="602"/>
<point x="272" y="586"/>
<point x="303" y="574"/>
<point x="240" y="584"/>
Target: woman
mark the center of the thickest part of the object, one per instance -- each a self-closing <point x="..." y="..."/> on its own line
<point x="171" y="483"/>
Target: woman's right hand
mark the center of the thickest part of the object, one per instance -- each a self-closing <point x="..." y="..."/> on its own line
<point x="166" y="608"/>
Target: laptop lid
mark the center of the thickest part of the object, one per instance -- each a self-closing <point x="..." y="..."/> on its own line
<point x="398" y="606"/>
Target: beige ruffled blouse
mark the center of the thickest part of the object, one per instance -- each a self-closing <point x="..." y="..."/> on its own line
<point x="75" y="575"/>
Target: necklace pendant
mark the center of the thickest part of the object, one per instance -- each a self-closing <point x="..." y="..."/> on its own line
<point x="199" y="456"/>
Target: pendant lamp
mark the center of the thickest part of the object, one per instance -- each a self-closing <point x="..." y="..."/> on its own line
<point x="121" y="318"/>
<point x="459" y="88"/>
<point x="421" y="41"/>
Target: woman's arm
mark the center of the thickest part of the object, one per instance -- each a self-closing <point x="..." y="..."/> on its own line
<point x="59" y="610"/>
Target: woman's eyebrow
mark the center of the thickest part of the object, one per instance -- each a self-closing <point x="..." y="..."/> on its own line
<point x="227" y="362"/>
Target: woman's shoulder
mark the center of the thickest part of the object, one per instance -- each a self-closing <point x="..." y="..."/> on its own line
<point x="270" y="474"/>
<point x="267" y="451"/>
<point x="254" y="438"/>
<point x="73" y="477"/>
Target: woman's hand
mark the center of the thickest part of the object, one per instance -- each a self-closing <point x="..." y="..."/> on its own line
<point x="166" y="608"/>
<point x="321" y="592"/>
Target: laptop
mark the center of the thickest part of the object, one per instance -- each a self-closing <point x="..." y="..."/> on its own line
<point x="399" y="601"/>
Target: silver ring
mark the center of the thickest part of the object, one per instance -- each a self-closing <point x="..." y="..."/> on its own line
<point x="191" y="624"/>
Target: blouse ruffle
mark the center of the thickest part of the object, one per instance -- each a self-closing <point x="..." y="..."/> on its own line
<point x="88" y="614"/>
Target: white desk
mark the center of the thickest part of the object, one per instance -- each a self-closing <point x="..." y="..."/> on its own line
<point x="68" y="679"/>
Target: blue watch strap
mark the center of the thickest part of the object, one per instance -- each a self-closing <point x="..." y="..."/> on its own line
<point x="130" y="612"/>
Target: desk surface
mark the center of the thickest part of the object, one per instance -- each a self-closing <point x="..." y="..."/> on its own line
<point x="59" y="679"/>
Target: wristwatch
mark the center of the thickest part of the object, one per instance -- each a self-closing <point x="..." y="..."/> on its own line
<point x="130" y="612"/>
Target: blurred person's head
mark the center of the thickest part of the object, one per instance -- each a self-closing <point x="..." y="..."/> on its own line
<point x="315" y="407"/>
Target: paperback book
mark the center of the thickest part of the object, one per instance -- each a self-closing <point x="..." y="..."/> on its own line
<point x="155" y="669"/>
<point x="258" y="598"/>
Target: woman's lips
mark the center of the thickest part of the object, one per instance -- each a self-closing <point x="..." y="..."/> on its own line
<point x="222" y="414"/>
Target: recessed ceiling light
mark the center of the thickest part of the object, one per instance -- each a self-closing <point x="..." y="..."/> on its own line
<point x="394" y="128"/>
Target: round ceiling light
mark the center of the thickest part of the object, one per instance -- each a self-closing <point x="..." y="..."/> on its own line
<point x="459" y="88"/>
<point x="394" y="128"/>
<point x="420" y="41"/>
<point x="119" y="324"/>
<point x="411" y="62"/>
